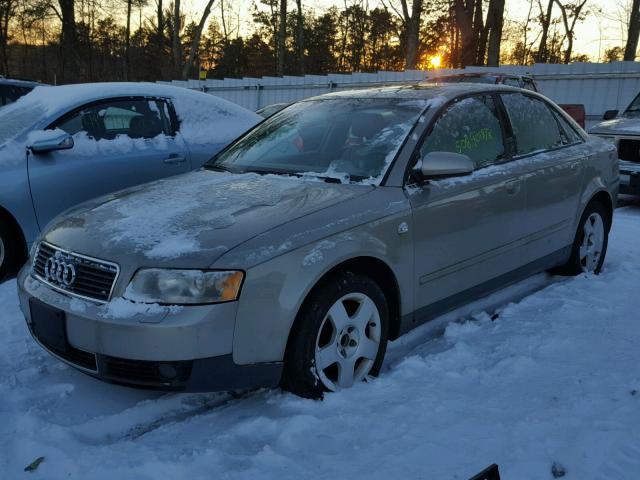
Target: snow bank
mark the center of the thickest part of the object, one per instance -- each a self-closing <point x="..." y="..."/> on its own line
<point x="553" y="379"/>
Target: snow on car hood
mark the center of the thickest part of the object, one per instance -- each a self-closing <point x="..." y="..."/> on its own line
<point x="190" y="220"/>
<point x="617" y="126"/>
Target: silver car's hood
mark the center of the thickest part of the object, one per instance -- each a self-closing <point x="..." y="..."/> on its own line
<point x="617" y="126"/>
<point x="191" y="220"/>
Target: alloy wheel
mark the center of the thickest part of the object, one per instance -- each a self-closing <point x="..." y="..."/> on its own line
<point x="348" y="341"/>
<point x="592" y="243"/>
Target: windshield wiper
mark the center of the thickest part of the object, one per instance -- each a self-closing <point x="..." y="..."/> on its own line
<point x="216" y="167"/>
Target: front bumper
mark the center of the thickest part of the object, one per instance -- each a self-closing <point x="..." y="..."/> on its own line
<point x="169" y="348"/>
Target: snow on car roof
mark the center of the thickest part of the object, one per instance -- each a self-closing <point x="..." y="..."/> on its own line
<point x="196" y="110"/>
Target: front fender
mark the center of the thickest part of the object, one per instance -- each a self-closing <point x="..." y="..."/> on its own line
<point x="272" y="296"/>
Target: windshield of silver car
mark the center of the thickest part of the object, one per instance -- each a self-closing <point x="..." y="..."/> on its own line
<point x="17" y="117"/>
<point x="340" y="139"/>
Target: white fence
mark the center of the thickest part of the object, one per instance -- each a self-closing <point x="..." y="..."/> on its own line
<point x="599" y="86"/>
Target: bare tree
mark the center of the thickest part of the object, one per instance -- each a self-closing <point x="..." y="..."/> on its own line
<point x="69" y="41"/>
<point x="634" y="30"/>
<point x="411" y="31"/>
<point x="545" y="21"/>
<point x="495" y="20"/>
<point x="127" y="42"/>
<point x="571" y="13"/>
<point x="300" y="40"/>
<point x="195" y="44"/>
<point x="176" y="43"/>
<point x="282" y="36"/>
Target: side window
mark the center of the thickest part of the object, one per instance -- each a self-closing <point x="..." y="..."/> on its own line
<point x="471" y="127"/>
<point x="136" y="118"/>
<point x="569" y="135"/>
<point x="529" y="85"/>
<point x="534" y="126"/>
<point x="511" y="81"/>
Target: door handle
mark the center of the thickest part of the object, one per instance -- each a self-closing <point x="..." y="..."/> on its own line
<point x="175" y="159"/>
<point x="512" y="187"/>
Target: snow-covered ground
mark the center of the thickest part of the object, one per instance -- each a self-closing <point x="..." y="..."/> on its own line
<point x="554" y="378"/>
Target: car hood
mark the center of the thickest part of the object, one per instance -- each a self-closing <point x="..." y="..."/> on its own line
<point x="191" y="220"/>
<point x="617" y="126"/>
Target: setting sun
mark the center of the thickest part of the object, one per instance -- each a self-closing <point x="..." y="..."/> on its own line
<point x="435" y="61"/>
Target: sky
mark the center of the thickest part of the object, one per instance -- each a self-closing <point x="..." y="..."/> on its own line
<point x="602" y="28"/>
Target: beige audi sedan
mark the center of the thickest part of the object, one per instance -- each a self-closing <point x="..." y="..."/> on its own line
<point x="332" y="227"/>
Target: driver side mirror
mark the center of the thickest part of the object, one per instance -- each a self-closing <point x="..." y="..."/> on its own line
<point x="445" y="164"/>
<point x="43" y="141"/>
<point x="610" y="114"/>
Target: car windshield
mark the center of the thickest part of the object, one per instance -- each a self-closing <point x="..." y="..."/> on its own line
<point x="633" y="110"/>
<point x="341" y="139"/>
<point x="17" y="117"/>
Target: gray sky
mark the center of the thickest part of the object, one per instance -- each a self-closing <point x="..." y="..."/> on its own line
<point x="593" y="36"/>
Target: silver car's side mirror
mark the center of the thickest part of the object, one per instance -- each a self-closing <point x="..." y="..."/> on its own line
<point x="610" y="114"/>
<point x="445" y="164"/>
<point x="50" y="140"/>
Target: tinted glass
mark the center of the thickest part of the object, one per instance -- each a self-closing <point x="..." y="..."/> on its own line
<point x="471" y="127"/>
<point x="528" y="84"/>
<point x="350" y="139"/>
<point x="134" y="118"/>
<point x="534" y="126"/>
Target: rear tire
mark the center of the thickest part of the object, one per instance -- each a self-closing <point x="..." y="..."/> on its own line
<point x="590" y="243"/>
<point x="339" y="337"/>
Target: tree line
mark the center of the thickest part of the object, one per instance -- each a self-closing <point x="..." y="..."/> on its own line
<point x="66" y="41"/>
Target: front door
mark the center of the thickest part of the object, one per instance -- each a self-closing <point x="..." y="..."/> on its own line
<point x="117" y="144"/>
<point x="466" y="229"/>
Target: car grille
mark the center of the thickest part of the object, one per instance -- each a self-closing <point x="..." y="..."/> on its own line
<point x="94" y="278"/>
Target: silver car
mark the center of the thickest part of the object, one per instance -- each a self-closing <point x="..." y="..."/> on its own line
<point x="60" y="146"/>
<point x="329" y="229"/>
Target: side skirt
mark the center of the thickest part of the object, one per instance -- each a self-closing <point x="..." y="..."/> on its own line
<point x="429" y="312"/>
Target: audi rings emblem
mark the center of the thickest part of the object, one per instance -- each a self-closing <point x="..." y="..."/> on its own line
<point x="60" y="270"/>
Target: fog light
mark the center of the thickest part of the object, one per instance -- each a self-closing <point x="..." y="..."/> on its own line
<point x="168" y="371"/>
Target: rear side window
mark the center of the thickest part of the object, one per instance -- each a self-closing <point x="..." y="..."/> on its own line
<point x="512" y="82"/>
<point x="529" y="85"/>
<point x="135" y="118"/>
<point x="471" y="127"/>
<point x="568" y="133"/>
<point x="534" y="126"/>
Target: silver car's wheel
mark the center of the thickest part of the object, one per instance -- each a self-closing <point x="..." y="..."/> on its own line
<point x="348" y="341"/>
<point x="339" y="336"/>
<point x="592" y="243"/>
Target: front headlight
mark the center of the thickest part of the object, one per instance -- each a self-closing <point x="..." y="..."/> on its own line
<point x="184" y="287"/>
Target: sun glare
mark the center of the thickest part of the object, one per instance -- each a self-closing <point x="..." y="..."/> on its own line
<point x="435" y="61"/>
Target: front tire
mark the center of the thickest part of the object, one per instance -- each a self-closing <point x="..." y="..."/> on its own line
<point x="8" y="253"/>
<point x="339" y="338"/>
<point x="590" y="243"/>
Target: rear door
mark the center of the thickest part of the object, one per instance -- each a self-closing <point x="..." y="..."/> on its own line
<point x="553" y="154"/>
<point x="117" y="143"/>
<point x="466" y="229"/>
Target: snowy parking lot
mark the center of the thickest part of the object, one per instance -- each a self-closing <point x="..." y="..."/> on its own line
<point x="544" y="375"/>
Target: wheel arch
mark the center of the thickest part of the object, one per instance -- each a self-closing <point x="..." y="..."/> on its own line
<point x="18" y="234"/>
<point x="373" y="267"/>
<point x="604" y="198"/>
